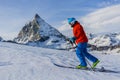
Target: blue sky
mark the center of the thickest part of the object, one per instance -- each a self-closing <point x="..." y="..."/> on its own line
<point x="15" y="13"/>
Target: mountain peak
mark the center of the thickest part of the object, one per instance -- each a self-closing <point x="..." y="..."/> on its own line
<point x="37" y="16"/>
<point x="40" y="33"/>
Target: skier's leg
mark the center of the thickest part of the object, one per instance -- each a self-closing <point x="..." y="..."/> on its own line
<point x="88" y="55"/>
<point x="79" y="53"/>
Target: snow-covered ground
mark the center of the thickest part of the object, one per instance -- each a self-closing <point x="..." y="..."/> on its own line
<point x="20" y="62"/>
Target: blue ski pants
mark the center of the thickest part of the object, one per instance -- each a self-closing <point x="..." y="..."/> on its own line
<point x="81" y="52"/>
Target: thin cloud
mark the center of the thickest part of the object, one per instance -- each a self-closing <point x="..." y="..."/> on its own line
<point x="103" y="20"/>
<point x="106" y="3"/>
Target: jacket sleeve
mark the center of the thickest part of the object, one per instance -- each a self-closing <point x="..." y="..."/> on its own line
<point x="77" y="31"/>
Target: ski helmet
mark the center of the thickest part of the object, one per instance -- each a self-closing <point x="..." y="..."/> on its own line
<point x="71" y="20"/>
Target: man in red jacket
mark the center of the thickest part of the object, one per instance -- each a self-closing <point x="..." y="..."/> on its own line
<point x="81" y="40"/>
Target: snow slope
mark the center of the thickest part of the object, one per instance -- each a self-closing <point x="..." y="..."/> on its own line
<point x="20" y="62"/>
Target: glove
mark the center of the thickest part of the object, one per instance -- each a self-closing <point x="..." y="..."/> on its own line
<point x="72" y="39"/>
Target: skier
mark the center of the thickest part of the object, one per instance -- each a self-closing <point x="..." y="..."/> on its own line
<point x="81" y="40"/>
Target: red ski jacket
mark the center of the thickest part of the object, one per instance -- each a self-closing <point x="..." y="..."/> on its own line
<point x="79" y="33"/>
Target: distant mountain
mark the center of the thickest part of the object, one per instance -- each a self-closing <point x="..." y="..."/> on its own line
<point x="39" y="33"/>
<point x="105" y="40"/>
<point x="102" y="42"/>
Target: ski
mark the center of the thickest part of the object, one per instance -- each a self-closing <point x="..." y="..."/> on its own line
<point x="88" y="68"/>
<point x="102" y="69"/>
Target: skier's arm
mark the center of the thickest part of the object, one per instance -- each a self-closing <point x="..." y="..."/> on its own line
<point x="77" y="32"/>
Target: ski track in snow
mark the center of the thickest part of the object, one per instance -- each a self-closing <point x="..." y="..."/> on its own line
<point x="20" y="62"/>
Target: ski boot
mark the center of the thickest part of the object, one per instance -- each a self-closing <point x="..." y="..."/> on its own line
<point x="95" y="64"/>
<point x="81" y="67"/>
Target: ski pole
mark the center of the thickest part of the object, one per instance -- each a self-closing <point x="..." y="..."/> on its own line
<point x="89" y="64"/>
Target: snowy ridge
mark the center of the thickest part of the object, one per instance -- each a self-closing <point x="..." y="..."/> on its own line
<point x="20" y="62"/>
<point x="105" y="40"/>
<point x="110" y="39"/>
<point x="109" y="42"/>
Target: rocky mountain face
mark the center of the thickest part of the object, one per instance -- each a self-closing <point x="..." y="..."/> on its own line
<point x="1" y="39"/>
<point x="30" y="32"/>
<point x="105" y="42"/>
<point x="39" y="33"/>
